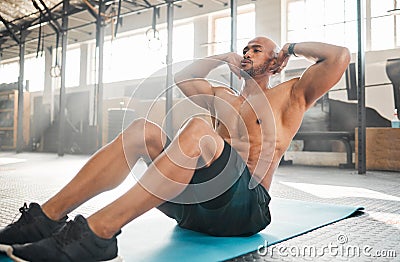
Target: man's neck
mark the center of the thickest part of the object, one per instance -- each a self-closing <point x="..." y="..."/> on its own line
<point x="254" y="86"/>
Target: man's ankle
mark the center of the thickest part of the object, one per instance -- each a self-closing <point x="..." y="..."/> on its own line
<point x="100" y="229"/>
<point x="51" y="213"/>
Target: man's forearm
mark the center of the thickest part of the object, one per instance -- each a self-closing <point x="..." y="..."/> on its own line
<point x="316" y="51"/>
<point x="201" y="68"/>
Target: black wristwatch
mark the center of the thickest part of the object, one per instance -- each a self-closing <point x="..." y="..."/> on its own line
<point x="291" y="49"/>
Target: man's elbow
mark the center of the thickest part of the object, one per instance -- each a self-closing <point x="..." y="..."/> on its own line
<point x="183" y="76"/>
<point x="337" y="56"/>
<point x="344" y="57"/>
<point x="179" y="77"/>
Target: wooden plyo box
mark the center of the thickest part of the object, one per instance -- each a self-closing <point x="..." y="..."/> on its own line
<point x="9" y="119"/>
<point x="382" y="148"/>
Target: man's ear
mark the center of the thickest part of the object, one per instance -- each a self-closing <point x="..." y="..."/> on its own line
<point x="273" y="61"/>
<point x="272" y="65"/>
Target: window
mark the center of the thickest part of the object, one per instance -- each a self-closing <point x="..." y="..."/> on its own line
<point x="221" y="42"/>
<point x="331" y="21"/>
<point x="335" y="22"/>
<point x="222" y="35"/>
<point x="183" y="42"/>
<point x="398" y="29"/>
<point x="9" y="72"/>
<point x="34" y="72"/>
<point x="72" y="67"/>
<point x="382" y="25"/>
<point x="382" y="33"/>
<point x="129" y="57"/>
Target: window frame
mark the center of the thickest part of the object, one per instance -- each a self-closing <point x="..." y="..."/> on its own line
<point x="368" y="19"/>
<point x="212" y="45"/>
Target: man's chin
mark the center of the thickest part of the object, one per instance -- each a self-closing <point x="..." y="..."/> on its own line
<point x="246" y="74"/>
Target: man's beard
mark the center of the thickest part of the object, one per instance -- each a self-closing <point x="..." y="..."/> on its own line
<point x="254" y="71"/>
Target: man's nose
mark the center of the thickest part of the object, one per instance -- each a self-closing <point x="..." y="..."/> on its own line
<point x="247" y="55"/>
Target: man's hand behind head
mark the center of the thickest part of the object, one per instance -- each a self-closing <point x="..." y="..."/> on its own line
<point x="281" y="60"/>
<point x="234" y="60"/>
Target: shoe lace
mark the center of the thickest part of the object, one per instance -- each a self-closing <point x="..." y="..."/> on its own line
<point x="69" y="233"/>
<point x="25" y="216"/>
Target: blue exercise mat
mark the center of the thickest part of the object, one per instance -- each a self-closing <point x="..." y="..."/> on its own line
<point x="155" y="237"/>
<point x="158" y="238"/>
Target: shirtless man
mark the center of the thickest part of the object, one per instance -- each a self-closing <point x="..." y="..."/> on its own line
<point x="241" y="145"/>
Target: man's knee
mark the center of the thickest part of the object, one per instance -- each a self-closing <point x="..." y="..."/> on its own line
<point x="141" y="127"/>
<point x="197" y="137"/>
<point x="197" y="128"/>
<point x="134" y="128"/>
<point x="142" y="135"/>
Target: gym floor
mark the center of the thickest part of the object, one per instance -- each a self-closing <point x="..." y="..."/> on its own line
<point x="373" y="235"/>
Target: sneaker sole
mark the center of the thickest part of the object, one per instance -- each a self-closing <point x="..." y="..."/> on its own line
<point x="117" y="259"/>
<point x="9" y="251"/>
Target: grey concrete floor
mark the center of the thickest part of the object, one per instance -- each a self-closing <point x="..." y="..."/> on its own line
<point x="373" y="235"/>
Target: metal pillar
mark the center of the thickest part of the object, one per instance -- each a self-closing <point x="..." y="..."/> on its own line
<point x="361" y="138"/>
<point x="20" y="118"/>
<point x="64" y="41"/>
<point x="100" y="51"/>
<point x="233" y="25"/>
<point x="233" y="79"/>
<point x="169" y="90"/>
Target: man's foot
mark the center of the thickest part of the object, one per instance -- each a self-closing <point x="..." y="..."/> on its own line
<point x="33" y="225"/>
<point x="74" y="242"/>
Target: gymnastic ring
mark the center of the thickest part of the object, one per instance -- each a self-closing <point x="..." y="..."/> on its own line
<point x="55" y="71"/>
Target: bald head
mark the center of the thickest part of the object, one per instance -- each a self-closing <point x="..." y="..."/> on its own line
<point x="267" y="43"/>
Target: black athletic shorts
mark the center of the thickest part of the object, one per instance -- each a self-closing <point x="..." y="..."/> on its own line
<point x="239" y="211"/>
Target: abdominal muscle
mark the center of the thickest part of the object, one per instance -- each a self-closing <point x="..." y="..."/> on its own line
<point x="260" y="165"/>
<point x="254" y="135"/>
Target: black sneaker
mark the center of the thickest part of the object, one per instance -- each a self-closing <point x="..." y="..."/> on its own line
<point x="33" y="225"/>
<point x="74" y="242"/>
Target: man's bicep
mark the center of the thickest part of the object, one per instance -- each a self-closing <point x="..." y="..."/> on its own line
<point x="317" y="80"/>
<point x="199" y="91"/>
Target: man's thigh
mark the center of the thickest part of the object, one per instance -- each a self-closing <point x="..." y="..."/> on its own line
<point x="233" y="211"/>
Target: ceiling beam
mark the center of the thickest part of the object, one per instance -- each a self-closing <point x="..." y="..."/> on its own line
<point x="48" y="13"/>
<point x="34" y="23"/>
<point x="10" y="28"/>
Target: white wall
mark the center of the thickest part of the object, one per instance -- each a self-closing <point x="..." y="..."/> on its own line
<point x="268" y="19"/>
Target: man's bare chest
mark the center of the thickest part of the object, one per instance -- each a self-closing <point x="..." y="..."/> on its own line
<point x="243" y="118"/>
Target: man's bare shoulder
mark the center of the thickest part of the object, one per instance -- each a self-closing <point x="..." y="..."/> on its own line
<point x="222" y="90"/>
<point x="288" y="89"/>
<point x="288" y="83"/>
<point x="285" y="97"/>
